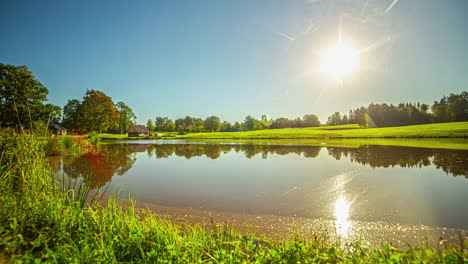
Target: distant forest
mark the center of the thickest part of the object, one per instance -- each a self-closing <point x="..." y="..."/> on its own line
<point x="452" y="108"/>
<point x="23" y="105"/>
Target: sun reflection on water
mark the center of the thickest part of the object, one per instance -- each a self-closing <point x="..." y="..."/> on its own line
<point x="342" y="222"/>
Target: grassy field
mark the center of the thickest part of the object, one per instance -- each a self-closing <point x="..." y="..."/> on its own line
<point x="45" y="222"/>
<point x="442" y="130"/>
<point x="441" y="143"/>
<point x="445" y="135"/>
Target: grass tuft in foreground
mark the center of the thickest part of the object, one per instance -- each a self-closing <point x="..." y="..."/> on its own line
<point x="42" y="222"/>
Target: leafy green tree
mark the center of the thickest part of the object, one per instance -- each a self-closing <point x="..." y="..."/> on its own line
<point x="249" y="123"/>
<point x="264" y="123"/>
<point x="179" y="124"/>
<point x="212" y="124"/>
<point x="237" y="125"/>
<point x="310" y="121"/>
<point x="126" y="117"/>
<point x="150" y="125"/>
<point x="199" y="125"/>
<point x="186" y="124"/>
<point x="159" y="123"/>
<point x="297" y="122"/>
<point x="169" y="126"/>
<point x="281" y="122"/>
<point x="72" y="113"/>
<point x="51" y="112"/>
<point x="334" y="119"/>
<point x="98" y="112"/>
<point x="456" y="107"/>
<point x="22" y="97"/>
<point x="226" y="126"/>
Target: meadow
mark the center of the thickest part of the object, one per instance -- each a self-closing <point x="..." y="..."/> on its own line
<point x="45" y="220"/>
<point x="440" y="130"/>
<point x="444" y="135"/>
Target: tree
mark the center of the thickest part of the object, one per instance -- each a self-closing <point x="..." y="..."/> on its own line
<point x="98" y="112"/>
<point x="249" y="123"/>
<point x="310" y="121"/>
<point x="297" y="123"/>
<point x="72" y="114"/>
<point x="169" y="126"/>
<point x="199" y="125"/>
<point x="264" y="123"/>
<point x="159" y="123"/>
<point x="226" y="126"/>
<point x="150" y="125"/>
<point x="51" y="112"/>
<point x="22" y="97"/>
<point x="126" y="117"/>
<point x="334" y="119"/>
<point x="281" y="122"/>
<point x="457" y="107"/>
<point x="212" y="124"/>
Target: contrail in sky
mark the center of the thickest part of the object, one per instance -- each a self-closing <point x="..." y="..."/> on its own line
<point x="286" y="36"/>
<point x="391" y="5"/>
<point x="292" y="189"/>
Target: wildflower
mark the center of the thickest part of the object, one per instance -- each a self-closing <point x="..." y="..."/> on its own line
<point x="20" y="131"/>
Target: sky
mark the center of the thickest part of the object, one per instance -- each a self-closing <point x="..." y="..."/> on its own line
<point x="235" y="58"/>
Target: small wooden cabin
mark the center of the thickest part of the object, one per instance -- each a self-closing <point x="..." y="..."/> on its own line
<point x="138" y="131"/>
<point x="58" y="129"/>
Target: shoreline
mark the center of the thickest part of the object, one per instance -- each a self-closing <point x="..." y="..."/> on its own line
<point x="435" y="143"/>
<point x="371" y="234"/>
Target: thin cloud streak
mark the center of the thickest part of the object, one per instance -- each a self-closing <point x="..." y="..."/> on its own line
<point x="286" y="36"/>
<point x="391" y="6"/>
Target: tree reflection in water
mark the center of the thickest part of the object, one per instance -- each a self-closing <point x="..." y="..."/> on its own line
<point x="98" y="168"/>
<point x="453" y="162"/>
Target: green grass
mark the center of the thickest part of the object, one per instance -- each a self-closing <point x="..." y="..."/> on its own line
<point x="42" y="221"/>
<point x="442" y="130"/>
<point x="441" y="143"/>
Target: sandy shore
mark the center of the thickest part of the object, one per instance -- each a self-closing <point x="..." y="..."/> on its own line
<point x="372" y="234"/>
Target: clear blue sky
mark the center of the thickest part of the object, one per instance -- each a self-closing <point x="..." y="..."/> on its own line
<point x="234" y="58"/>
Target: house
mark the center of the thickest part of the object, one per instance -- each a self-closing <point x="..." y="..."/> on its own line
<point x="58" y="129"/>
<point x="138" y="131"/>
<point x="138" y="147"/>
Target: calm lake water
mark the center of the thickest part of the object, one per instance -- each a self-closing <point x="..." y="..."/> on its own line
<point x="369" y="183"/>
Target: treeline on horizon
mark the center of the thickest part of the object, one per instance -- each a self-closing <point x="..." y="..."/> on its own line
<point x="23" y="105"/>
<point x="452" y="108"/>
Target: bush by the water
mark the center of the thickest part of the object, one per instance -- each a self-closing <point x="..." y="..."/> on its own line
<point x="94" y="137"/>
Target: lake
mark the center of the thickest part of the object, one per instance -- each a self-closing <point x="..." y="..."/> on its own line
<point x="370" y="183"/>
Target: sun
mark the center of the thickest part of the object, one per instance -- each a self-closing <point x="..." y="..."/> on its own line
<point x="339" y="61"/>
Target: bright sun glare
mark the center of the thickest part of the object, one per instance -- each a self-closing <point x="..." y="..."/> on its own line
<point x="339" y="61"/>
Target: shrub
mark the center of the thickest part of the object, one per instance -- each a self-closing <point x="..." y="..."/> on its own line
<point x="94" y="137"/>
